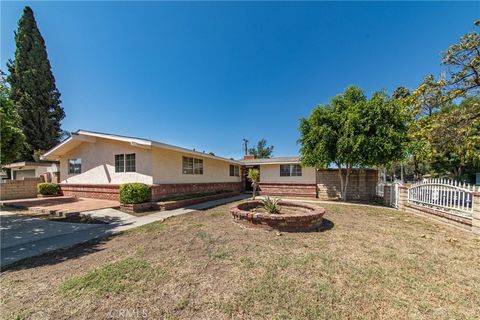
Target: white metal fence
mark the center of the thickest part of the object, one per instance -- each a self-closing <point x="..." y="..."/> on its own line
<point x="445" y="195"/>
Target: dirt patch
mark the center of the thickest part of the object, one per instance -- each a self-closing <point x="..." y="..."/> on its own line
<point x="374" y="263"/>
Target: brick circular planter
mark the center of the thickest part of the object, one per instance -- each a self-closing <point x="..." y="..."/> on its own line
<point x="308" y="218"/>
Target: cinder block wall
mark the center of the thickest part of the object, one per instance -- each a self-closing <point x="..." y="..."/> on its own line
<point x="19" y="189"/>
<point x="361" y="186"/>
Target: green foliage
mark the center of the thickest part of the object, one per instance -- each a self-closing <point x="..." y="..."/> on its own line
<point x="12" y="137"/>
<point x="353" y="131"/>
<point x="463" y="65"/>
<point x="271" y="205"/>
<point x="261" y="150"/>
<point x="452" y="137"/>
<point x="131" y="193"/>
<point x="47" y="188"/>
<point x="33" y="88"/>
<point x="462" y="62"/>
<point x="254" y="177"/>
<point x="112" y="278"/>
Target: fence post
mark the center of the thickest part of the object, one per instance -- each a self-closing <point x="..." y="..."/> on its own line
<point x="402" y="197"/>
<point x="476" y="213"/>
<point x="386" y="194"/>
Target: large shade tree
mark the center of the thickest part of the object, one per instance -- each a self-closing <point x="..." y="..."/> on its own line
<point x="11" y="135"/>
<point x="353" y="131"/>
<point x="33" y="88"/>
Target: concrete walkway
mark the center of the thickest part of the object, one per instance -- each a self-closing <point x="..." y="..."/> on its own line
<point x="24" y="236"/>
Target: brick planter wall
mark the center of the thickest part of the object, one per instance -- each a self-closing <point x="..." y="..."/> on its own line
<point x="160" y="191"/>
<point x="361" y="185"/>
<point x="94" y="191"/>
<point x="298" y="222"/>
<point x="19" y="189"/>
<point x="170" y="205"/>
<point x="288" y="189"/>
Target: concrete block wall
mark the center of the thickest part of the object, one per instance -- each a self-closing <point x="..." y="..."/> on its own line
<point x="19" y="189"/>
<point x="361" y="186"/>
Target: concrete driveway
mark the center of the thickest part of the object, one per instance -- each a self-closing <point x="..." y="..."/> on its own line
<point x="24" y="236"/>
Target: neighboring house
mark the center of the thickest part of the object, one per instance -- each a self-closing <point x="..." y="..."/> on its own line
<point x="30" y="169"/>
<point x="94" y="164"/>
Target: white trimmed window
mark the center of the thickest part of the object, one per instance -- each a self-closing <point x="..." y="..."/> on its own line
<point x="192" y="165"/>
<point x="74" y="166"/>
<point x="125" y="162"/>
<point x="290" y="170"/>
<point x="234" y="171"/>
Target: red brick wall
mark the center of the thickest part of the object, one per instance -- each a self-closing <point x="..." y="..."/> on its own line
<point x="95" y="191"/>
<point x="167" y="190"/>
<point x="361" y="186"/>
<point x="288" y="189"/>
<point x="111" y="191"/>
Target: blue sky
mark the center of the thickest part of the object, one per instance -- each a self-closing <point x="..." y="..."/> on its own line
<point x="207" y="75"/>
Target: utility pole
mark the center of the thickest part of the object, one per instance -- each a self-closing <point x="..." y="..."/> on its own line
<point x="245" y="145"/>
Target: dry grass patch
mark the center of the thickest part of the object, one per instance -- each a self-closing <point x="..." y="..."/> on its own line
<point x="375" y="263"/>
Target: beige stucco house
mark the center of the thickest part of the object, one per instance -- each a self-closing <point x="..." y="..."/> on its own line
<point x="95" y="164"/>
<point x="284" y="176"/>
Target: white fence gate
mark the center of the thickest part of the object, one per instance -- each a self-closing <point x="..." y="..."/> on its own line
<point x="444" y="195"/>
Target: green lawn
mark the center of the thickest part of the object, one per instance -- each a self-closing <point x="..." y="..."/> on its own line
<point x="374" y="263"/>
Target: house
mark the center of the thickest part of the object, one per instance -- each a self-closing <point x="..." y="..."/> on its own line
<point x="30" y="169"/>
<point x="94" y="164"/>
<point x="283" y="176"/>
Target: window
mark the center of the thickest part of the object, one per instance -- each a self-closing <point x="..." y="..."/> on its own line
<point x="284" y="170"/>
<point x="293" y="170"/>
<point x="119" y="163"/>
<point x="234" y="171"/>
<point x="296" y="170"/>
<point x="198" y="166"/>
<point x="125" y="162"/>
<point x="74" y="166"/>
<point x="192" y="166"/>
<point x="130" y="162"/>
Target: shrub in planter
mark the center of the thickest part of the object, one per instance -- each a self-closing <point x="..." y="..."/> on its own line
<point x="47" y="189"/>
<point x="131" y="193"/>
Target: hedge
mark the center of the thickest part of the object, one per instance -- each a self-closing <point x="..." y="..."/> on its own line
<point x="131" y="193"/>
<point x="46" y="188"/>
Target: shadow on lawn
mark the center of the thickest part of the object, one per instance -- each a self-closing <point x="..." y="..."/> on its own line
<point x="326" y="225"/>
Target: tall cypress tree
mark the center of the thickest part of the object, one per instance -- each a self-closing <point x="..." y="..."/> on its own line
<point x="33" y="88"/>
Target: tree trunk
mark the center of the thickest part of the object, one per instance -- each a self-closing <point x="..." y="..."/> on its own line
<point x="401" y="171"/>
<point x="254" y="185"/>
<point x="344" y="181"/>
